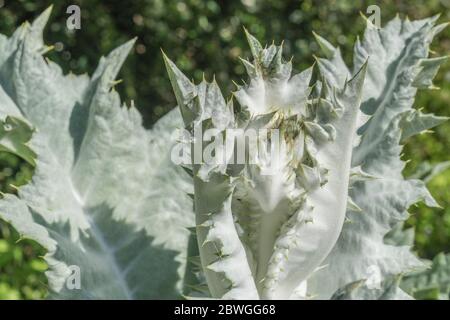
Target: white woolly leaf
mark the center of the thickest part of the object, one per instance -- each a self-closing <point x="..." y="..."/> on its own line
<point x="264" y="226"/>
<point x="104" y="196"/>
<point x="397" y="65"/>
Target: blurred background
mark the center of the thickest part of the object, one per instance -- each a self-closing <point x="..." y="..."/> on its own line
<point x="207" y="35"/>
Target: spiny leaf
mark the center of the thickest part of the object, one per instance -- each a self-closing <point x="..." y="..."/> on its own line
<point x="104" y="196"/>
<point x="396" y="54"/>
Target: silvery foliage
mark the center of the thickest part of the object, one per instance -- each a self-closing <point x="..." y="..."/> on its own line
<point x="286" y="232"/>
<point x="106" y="197"/>
<point x="398" y="66"/>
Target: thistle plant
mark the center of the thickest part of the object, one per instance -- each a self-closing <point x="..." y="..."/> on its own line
<point x="284" y="235"/>
<point x="304" y="216"/>
<point x="279" y="225"/>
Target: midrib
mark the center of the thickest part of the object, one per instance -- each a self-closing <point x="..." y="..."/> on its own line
<point x="109" y="254"/>
<point x="105" y="248"/>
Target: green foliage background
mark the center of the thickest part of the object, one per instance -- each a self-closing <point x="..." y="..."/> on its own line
<point x="206" y="35"/>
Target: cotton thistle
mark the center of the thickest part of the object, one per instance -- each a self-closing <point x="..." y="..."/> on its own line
<point x="263" y="231"/>
<point x="270" y="220"/>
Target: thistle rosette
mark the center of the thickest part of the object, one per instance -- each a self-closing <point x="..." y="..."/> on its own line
<point x="264" y="225"/>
